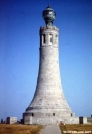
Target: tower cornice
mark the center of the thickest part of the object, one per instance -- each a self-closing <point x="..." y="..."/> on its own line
<point x="49" y="27"/>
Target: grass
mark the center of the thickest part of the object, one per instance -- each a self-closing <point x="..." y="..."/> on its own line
<point x="20" y="129"/>
<point x="35" y="129"/>
<point x="77" y="128"/>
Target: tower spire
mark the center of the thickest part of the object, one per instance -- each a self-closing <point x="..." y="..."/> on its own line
<point x="48" y="4"/>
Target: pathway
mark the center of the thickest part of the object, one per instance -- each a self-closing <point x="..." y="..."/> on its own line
<point x="51" y="129"/>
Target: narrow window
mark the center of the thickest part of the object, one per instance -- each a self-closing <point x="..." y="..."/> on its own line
<point x="56" y="39"/>
<point x="53" y="114"/>
<point x="51" y="38"/>
<point x="43" y="38"/>
<point x="32" y="114"/>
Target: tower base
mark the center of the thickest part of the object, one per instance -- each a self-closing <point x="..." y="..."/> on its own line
<point x="48" y="118"/>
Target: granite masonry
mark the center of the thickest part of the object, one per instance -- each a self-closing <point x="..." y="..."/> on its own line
<point x="49" y="105"/>
<point x="11" y="120"/>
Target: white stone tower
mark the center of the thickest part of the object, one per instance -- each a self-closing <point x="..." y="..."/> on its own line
<point x="49" y="105"/>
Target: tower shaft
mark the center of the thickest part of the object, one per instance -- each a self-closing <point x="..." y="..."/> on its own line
<point x="48" y="105"/>
<point x="49" y="93"/>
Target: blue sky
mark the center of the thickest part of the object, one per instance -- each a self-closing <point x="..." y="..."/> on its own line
<point x="20" y="21"/>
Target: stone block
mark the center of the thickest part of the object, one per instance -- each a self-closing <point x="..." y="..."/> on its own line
<point x="27" y="119"/>
<point x="82" y="120"/>
<point x="11" y="120"/>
